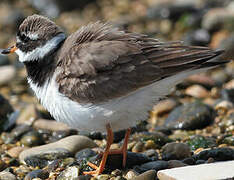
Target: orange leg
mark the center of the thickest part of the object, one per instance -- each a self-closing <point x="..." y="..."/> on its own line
<point x="99" y="170"/>
<point x="123" y="149"/>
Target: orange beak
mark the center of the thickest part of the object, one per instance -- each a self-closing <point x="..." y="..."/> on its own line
<point x="9" y="50"/>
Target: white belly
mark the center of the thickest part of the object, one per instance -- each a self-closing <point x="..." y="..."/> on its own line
<point x="121" y="113"/>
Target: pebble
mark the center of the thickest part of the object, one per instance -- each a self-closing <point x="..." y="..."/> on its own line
<point x="227" y="94"/>
<point x="138" y="147"/>
<point x="190" y="116"/>
<point x="158" y="138"/>
<point x="197" y="141"/>
<point x="28" y="115"/>
<point x="5" y="111"/>
<point x="8" y="73"/>
<point x="103" y="177"/>
<point x="189" y="161"/>
<point x="175" y="164"/>
<point x="5" y="175"/>
<point x="15" y="151"/>
<point x="229" y="84"/>
<point x="154" y="165"/>
<point x="62" y="148"/>
<point x="114" y="161"/>
<point x="151" y="153"/>
<point x="199" y="37"/>
<point x="148" y="175"/>
<point x="50" y="125"/>
<point x="17" y="133"/>
<point x="32" y="138"/>
<point x="2" y="165"/>
<point x="39" y="173"/>
<point x="218" y="154"/>
<point x="220" y="170"/>
<point x="223" y="106"/>
<point x="164" y="106"/>
<point x="202" y="79"/>
<point x="70" y="173"/>
<point x="211" y="22"/>
<point x="85" y="154"/>
<point x="219" y="76"/>
<point x="229" y="140"/>
<point x="197" y="91"/>
<point x="131" y="174"/>
<point x="4" y="60"/>
<point x="175" y="151"/>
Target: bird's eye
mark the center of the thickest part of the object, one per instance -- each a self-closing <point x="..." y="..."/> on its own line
<point x="23" y="37"/>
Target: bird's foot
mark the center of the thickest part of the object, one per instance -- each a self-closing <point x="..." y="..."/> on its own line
<point x="96" y="172"/>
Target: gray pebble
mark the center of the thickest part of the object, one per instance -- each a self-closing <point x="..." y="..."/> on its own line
<point x="5" y="175"/>
<point x="190" y="116"/>
<point x="148" y="175"/>
<point x="70" y="173"/>
<point x="175" y="151"/>
<point x="60" y="149"/>
<point x="39" y="173"/>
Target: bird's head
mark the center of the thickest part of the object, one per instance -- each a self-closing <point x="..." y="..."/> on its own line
<point x="36" y="38"/>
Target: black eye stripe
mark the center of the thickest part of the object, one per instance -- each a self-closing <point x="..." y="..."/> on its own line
<point x="23" y="37"/>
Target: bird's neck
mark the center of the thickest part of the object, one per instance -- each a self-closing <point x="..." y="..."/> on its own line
<point x="41" y="70"/>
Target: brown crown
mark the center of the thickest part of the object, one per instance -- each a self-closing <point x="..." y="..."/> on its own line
<point x="40" y="25"/>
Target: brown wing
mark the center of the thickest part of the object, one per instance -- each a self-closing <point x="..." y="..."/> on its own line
<point x="106" y="63"/>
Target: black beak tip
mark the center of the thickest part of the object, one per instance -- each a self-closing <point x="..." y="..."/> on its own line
<point x="5" y="51"/>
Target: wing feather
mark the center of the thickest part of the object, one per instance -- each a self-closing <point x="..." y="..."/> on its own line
<point x="105" y="63"/>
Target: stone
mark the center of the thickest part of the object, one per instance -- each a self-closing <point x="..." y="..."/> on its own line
<point x="2" y="165"/>
<point x="228" y="95"/>
<point x="175" y="164"/>
<point x="219" y="170"/>
<point x="5" y="175"/>
<point x="148" y="175"/>
<point x="131" y="174"/>
<point x="164" y="106"/>
<point x="197" y="91"/>
<point x="219" y="76"/>
<point x="39" y="173"/>
<point x="85" y="154"/>
<point x="229" y="140"/>
<point x="28" y="115"/>
<point x="154" y="165"/>
<point x="15" y="151"/>
<point x="198" y="141"/>
<point x="202" y="79"/>
<point x="6" y="111"/>
<point x="32" y="138"/>
<point x="114" y="161"/>
<point x="199" y="37"/>
<point x="215" y="18"/>
<point x="138" y="147"/>
<point x="158" y="138"/>
<point x="190" y="116"/>
<point x="63" y="148"/>
<point x="7" y="74"/>
<point x="4" y="60"/>
<point x="218" y="154"/>
<point x="175" y="151"/>
<point x="50" y="125"/>
<point x="17" y="133"/>
<point x="70" y="173"/>
<point x="103" y="177"/>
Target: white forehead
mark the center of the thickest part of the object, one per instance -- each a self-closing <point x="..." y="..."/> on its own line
<point x="32" y="36"/>
<point x="42" y="51"/>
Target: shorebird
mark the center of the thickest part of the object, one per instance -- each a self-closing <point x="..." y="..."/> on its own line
<point x="100" y="77"/>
